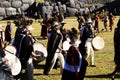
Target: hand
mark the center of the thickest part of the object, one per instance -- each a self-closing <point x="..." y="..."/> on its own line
<point x="5" y="60"/>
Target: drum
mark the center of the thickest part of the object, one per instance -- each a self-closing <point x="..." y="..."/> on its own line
<point x="10" y="49"/>
<point x="66" y="44"/>
<point x="13" y="61"/>
<point x="98" y="43"/>
<point x="40" y="52"/>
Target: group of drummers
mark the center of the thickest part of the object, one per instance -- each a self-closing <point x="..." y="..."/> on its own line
<point x="17" y="54"/>
<point x="72" y="56"/>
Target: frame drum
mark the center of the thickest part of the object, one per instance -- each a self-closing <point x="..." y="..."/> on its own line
<point x="40" y="52"/>
<point x="13" y="61"/>
<point x="98" y="43"/>
<point x="10" y="49"/>
<point x="66" y="44"/>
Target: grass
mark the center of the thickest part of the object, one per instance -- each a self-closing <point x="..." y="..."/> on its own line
<point x="103" y="58"/>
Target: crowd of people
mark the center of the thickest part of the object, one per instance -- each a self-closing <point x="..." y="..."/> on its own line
<point x="73" y="61"/>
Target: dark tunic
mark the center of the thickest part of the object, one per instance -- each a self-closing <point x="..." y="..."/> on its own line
<point x="24" y="48"/>
<point x="53" y="44"/>
<point x="117" y="48"/>
<point x="8" y="33"/>
<point x="73" y="58"/>
<point x="44" y="30"/>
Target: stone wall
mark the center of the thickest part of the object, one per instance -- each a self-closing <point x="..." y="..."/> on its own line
<point x="13" y="7"/>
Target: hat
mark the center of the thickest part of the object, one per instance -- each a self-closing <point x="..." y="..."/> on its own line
<point x="89" y="21"/>
<point x="63" y="22"/>
<point x="30" y="28"/>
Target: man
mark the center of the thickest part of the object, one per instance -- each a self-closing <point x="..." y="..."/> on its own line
<point x="54" y="49"/>
<point x="24" y="45"/>
<point x="86" y="37"/>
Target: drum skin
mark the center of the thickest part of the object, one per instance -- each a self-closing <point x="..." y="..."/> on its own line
<point x="13" y="62"/>
<point x="40" y="52"/>
<point x="10" y="49"/>
<point x="98" y="43"/>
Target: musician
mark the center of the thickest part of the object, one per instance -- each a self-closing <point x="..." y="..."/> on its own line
<point x="116" y="50"/>
<point x="75" y="64"/>
<point x="24" y="45"/>
<point x="8" y="32"/>
<point x="45" y="25"/>
<point x="5" y="71"/>
<point x="106" y="22"/>
<point x="111" y="21"/>
<point x="54" y="48"/>
<point x="81" y="21"/>
<point x="86" y="37"/>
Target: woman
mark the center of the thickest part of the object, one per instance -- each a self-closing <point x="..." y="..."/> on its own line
<point x="8" y="32"/>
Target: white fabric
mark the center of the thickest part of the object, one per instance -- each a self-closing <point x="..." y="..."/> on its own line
<point x="90" y="52"/>
<point x="58" y="55"/>
<point x="72" y="67"/>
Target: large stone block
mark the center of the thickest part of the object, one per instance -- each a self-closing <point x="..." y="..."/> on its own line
<point x="30" y="2"/>
<point x="5" y="4"/>
<point x="2" y="11"/>
<point x="62" y="8"/>
<point x="10" y="11"/>
<point x="24" y="7"/>
<point x="71" y="11"/>
<point x="16" y="4"/>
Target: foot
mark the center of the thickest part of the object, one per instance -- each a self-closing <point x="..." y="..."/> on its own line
<point x="92" y="65"/>
<point x="112" y="77"/>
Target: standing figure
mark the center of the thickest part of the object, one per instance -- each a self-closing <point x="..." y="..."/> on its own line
<point x="105" y="22"/>
<point x="111" y="22"/>
<point x="116" y="50"/>
<point x="24" y="45"/>
<point x="86" y="38"/>
<point x="8" y="32"/>
<point x="5" y="70"/>
<point x="54" y="48"/>
<point x="96" y="26"/>
<point x="75" y="64"/>
<point x="45" y="25"/>
<point x="81" y="21"/>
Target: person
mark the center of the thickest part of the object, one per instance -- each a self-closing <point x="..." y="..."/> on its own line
<point x="81" y="21"/>
<point x="54" y="48"/>
<point x="24" y="45"/>
<point x="45" y="25"/>
<point x="5" y="70"/>
<point x="106" y="22"/>
<point x="63" y="30"/>
<point x="116" y="50"/>
<point x="96" y="26"/>
<point x="8" y="32"/>
<point x="111" y="21"/>
<point x="75" y="65"/>
<point x="86" y="37"/>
